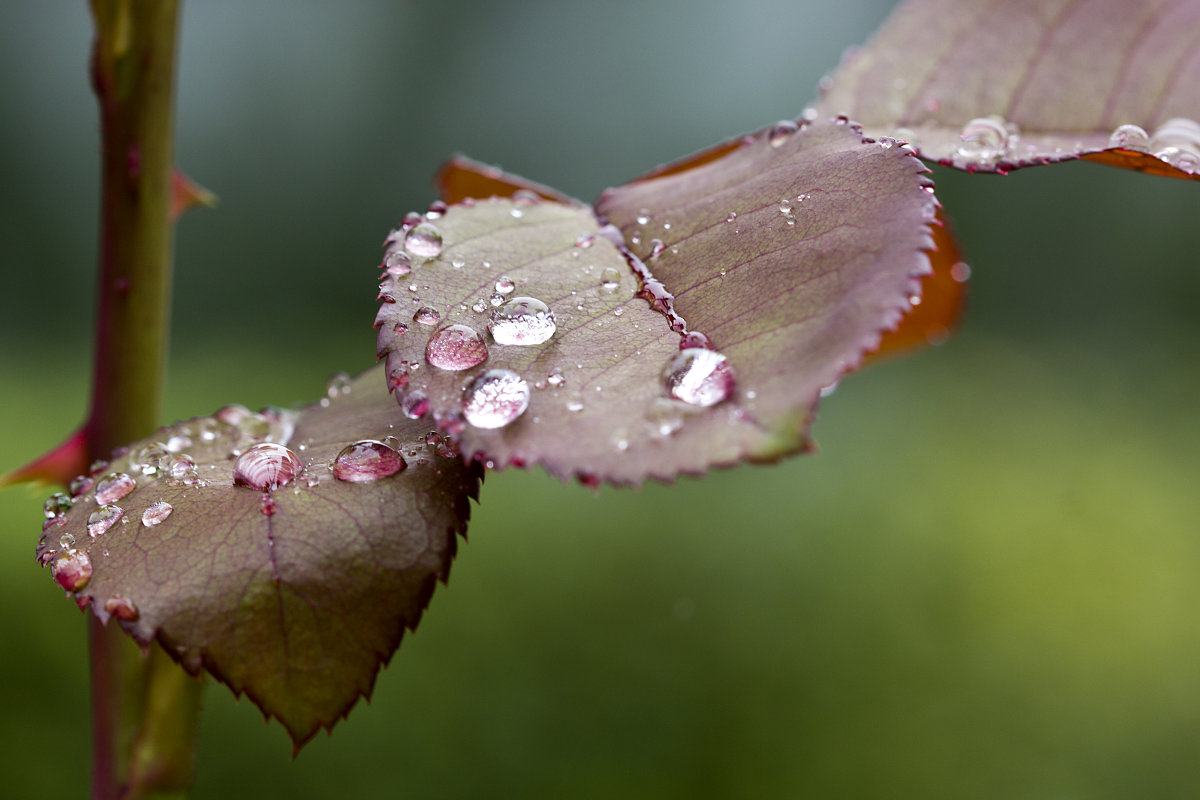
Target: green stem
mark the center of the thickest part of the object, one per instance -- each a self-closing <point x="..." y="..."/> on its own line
<point x="144" y="707"/>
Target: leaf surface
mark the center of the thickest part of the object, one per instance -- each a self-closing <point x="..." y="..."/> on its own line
<point x="300" y="607"/>
<point x="1057" y="79"/>
<point x="790" y="306"/>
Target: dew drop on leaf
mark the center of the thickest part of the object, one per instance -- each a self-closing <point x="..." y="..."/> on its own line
<point x="156" y="513"/>
<point x="414" y="404"/>
<point x="699" y="377"/>
<point x="79" y="485"/>
<point x="780" y="132"/>
<point x="456" y="347"/>
<point x="182" y="470"/>
<point x="505" y="285"/>
<point x="495" y="398"/>
<point x="103" y="518"/>
<point x="232" y="414"/>
<point x="984" y="140"/>
<point x="71" y="569"/>
<point x="113" y="486"/>
<point x="266" y="466"/>
<point x="522" y="321"/>
<point x="150" y="459"/>
<point x="397" y="263"/>
<point x="610" y="279"/>
<point x="1130" y="137"/>
<point x="427" y="316"/>
<point x="122" y="608"/>
<point x="424" y="240"/>
<point x="57" y="505"/>
<point x="366" y="461"/>
<point x="337" y="385"/>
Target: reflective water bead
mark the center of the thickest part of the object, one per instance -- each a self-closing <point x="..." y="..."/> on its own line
<point x="983" y="140"/>
<point x="1130" y="137"/>
<point x="366" y="461"/>
<point x="113" y="486"/>
<point x="266" y="466"/>
<point x="397" y="263"/>
<point x="610" y="279"/>
<point x="522" y="321"/>
<point x="102" y="519"/>
<point x="337" y="385"/>
<point x="156" y="512"/>
<point x="495" y="398"/>
<point x="505" y="285"/>
<point x="121" y="608"/>
<point x="427" y="316"/>
<point x="232" y="414"/>
<point x="80" y="484"/>
<point x="556" y="378"/>
<point x="456" y="347"/>
<point x="182" y="469"/>
<point x="57" y="505"/>
<point x="780" y="132"/>
<point x="699" y="377"/>
<point x="414" y="404"/>
<point x="71" y="569"/>
<point x="424" y="240"/>
<point x="151" y="458"/>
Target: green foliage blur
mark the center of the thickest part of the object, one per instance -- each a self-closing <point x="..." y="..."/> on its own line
<point x="984" y="586"/>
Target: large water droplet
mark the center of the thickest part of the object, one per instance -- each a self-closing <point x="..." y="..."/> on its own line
<point x="522" y="321"/>
<point x="122" y="608"/>
<point x="397" y="263"/>
<point x="113" y="486"/>
<point x="182" y="470"/>
<point x="424" y="240"/>
<point x="156" y="513"/>
<point x="71" y="569"/>
<point x="366" y="461"/>
<point x="150" y="459"/>
<point x="1177" y="141"/>
<point x="102" y="519"/>
<point x="1130" y="137"/>
<point x="456" y="347"/>
<point x="427" y="315"/>
<point x="57" y="505"/>
<point x="699" y="377"/>
<point x="266" y="466"/>
<point x="495" y="398"/>
<point x="984" y="140"/>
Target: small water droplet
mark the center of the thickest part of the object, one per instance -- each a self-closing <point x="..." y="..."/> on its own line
<point x="397" y="263"/>
<point x="643" y="216"/>
<point x="71" y="569"/>
<point x="182" y="470"/>
<point x="365" y="461"/>
<point x="156" y="512"/>
<point x="575" y="403"/>
<point x="113" y="486"/>
<point x="57" y="505"/>
<point x="266" y="466"/>
<point x="424" y="241"/>
<point x="516" y="213"/>
<point x="337" y="385"/>
<point x="232" y="414"/>
<point x="79" y="485"/>
<point x="780" y="132"/>
<point x="1130" y="137"/>
<point x="984" y="140"/>
<point x="585" y="240"/>
<point x="414" y="404"/>
<point x="610" y="279"/>
<point x="150" y="459"/>
<point x="179" y="442"/>
<point x="505" y="285"/>
<point x="267" y="506"/>
<point x="556" y="378"/>
<point x="102" y="519"/>
<point x="122" y="608"/>
<point x="427" y="316"/>
<point x="399" y="329"/>
<point x="456" y="347"/>
<point x="495" y="398"/>
<point x="479" y="306"/>
<point x="656" y="248"/>
<point x="522" y="321"/>
<point x="664" y="418"/>
<point x="97" y="466"/>
<point x="620" y="440"/>
<point x="699" y="377"/>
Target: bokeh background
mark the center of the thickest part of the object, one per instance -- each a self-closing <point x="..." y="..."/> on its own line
<point x="985" y="585"/>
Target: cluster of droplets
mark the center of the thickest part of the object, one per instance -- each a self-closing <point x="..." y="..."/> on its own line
<point x="1176" y="141"/>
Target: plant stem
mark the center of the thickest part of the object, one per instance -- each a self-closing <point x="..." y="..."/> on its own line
<point x="144" y="708"/>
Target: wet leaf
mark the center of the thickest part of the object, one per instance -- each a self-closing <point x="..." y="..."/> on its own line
<point x="987" y="86"/>
<point x="295" y="596"/>
<point x="790" y="306"/>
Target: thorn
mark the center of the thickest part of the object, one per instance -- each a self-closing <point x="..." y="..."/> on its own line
<point x="186" y="193"/>
<point x="59" y="465"/>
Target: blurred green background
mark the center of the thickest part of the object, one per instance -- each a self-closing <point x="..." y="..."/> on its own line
<point x="984" y="586"/>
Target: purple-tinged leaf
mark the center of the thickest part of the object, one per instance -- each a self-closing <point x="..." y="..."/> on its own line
<point x="295" y="595"/>
<point x="613" y="389"/>
<point x="990" y="86"/>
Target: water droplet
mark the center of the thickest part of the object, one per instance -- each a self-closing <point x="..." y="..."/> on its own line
<point x="585" y="240"/>
<point x="780" y="132"/>
<point x="337" y="385"/>
<point x="366" y="461"/>
<point x="232" y="414"/>
<point x="505" y="285"/>
<point x="79" y="485"/>
<point x="495" y="398"/>
<point x="97" y="466"/>
<point x="414" y="404"/>
<point x="266" y="466"/>
<point x="397" y="263"/>
<point x="610" y="279"/>
<point x="1130" y="137"/>
<point x="620" y="440"/>
<point x="113" y="486"/>
<point x="656" y="248"/>
<point x="267" y="506"/>
<point x="427" y="316"/>
<point x="643" y="216"/>
<point x="516" y="213"/>
<point x="179" y="442"/>
<point x="424" y="240"/>
<point x="57" y="505"/>
<point x="699" y="377"/>
<point x="122" y="608"/>
<point x="664" y="418"/>
<point x="150" y="459"/>
<point x="156" y="513"/>
<point x="575" y="404"/>
<point x="102" y="519"/>
<point x="71" y="569"/>
<point x="522" y="321"/>
<point x="556" y="378"/>
<point x="182" y="470"/>
<point x="479" y="306"/>
<point x="400" y="328"/>
<point x="1179" y="135"/>
<point x="255" y="426"/>
<point x="984" y="140"/>
<point x="456" y="347"/>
